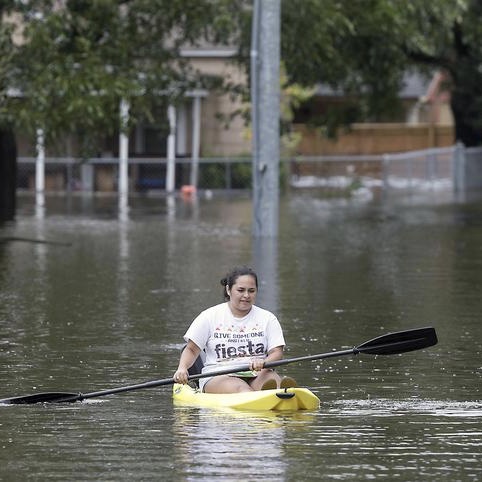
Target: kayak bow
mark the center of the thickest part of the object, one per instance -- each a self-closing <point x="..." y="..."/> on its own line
<point x="278" y="399"/>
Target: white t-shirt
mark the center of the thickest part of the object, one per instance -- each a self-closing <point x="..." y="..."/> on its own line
<point x="230" y="341"/>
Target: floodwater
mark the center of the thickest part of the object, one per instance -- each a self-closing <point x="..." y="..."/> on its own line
<point x="91" y="299"/>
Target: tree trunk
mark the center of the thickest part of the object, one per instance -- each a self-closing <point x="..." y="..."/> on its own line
<point x="466" y="99"/>
<point x="8" y="174"/>
<point x="466" y="118"/>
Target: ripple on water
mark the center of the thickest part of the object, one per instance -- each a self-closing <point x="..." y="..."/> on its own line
<point x="388" y="407"/>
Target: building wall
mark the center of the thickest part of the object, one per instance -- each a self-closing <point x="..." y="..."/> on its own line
<point x="218" y="139"/>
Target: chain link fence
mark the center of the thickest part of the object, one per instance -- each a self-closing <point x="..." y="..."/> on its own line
<point x="442" y="168"/>
<point x="145" y="174"/>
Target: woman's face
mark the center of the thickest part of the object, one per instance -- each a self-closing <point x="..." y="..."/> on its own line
<point x="242" y="295"/>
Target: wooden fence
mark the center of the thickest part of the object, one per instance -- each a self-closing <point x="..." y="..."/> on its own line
<point x="374" y="139"/>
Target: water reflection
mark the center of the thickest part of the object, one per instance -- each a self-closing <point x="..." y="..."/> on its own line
<point x="39" y="205"/>
<point x="235" y="445"/>
<point x="265" y="260"/>
<point x="123" y="264"/>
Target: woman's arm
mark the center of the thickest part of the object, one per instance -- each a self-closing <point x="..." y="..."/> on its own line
<point x="188" y="357"/>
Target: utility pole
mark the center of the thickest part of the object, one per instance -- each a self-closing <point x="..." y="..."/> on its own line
<point x="265" y="100"/>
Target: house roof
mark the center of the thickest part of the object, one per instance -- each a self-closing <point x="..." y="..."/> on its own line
<point x="415" y="86"/>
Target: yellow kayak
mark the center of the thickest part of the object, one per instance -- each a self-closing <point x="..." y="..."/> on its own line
<point x="278" y="399"/>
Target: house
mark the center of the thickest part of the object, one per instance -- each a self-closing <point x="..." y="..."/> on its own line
<point x="425" y="121"/>
<point x="198" y="131"/>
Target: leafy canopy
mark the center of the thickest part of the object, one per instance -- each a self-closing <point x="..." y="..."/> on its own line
<point x="363" y="48"/>
<point x="79" y="58"/>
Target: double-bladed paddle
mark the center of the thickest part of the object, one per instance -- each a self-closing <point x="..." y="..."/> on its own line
<point x="389" y="344"/>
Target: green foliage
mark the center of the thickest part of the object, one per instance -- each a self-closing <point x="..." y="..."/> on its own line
<point x="77" y="62"/>
<point x="362" y="48"/>
<point x="6" y="55"/>
<point x="212" y="176"/>
<point x="242" y="175"/>
<point x="293" y="95"/>
<point x="235" y="175"/>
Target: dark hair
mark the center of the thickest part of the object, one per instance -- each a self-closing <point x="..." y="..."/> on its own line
<point x="230" y="279"/>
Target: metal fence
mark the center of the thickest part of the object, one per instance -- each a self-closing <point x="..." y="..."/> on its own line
<point x="427" y="169"/>
<point x="431" y="168"/>
<point x="145" y="174"/>
<point x="442" y="168"/>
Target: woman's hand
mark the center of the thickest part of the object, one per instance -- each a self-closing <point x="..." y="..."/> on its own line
<point x="256" y="364"/>
<point x="181" y="376"/>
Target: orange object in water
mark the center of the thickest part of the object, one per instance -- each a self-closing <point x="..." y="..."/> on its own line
<point x="188" y="190"/>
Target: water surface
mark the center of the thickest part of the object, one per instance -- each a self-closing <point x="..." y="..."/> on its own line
<point x="103" y="300"/>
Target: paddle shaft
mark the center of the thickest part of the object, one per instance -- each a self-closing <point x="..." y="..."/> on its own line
<point x="227" y="371"/>
<point x="390" y="344"/>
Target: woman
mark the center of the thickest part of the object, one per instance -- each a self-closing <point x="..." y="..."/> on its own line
<point x="235" y="333"/>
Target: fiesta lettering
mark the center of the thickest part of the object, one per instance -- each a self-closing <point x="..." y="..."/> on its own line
<point x="243" y="350"/>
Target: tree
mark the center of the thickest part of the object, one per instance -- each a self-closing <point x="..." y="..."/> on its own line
<point x="77" y="61"/>
<point x="448" y="36"/>
<point x="363" y="48"/>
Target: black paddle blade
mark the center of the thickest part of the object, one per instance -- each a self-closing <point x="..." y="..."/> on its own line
<point x="399" y="342"/>
<point x="51" y="397"/>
